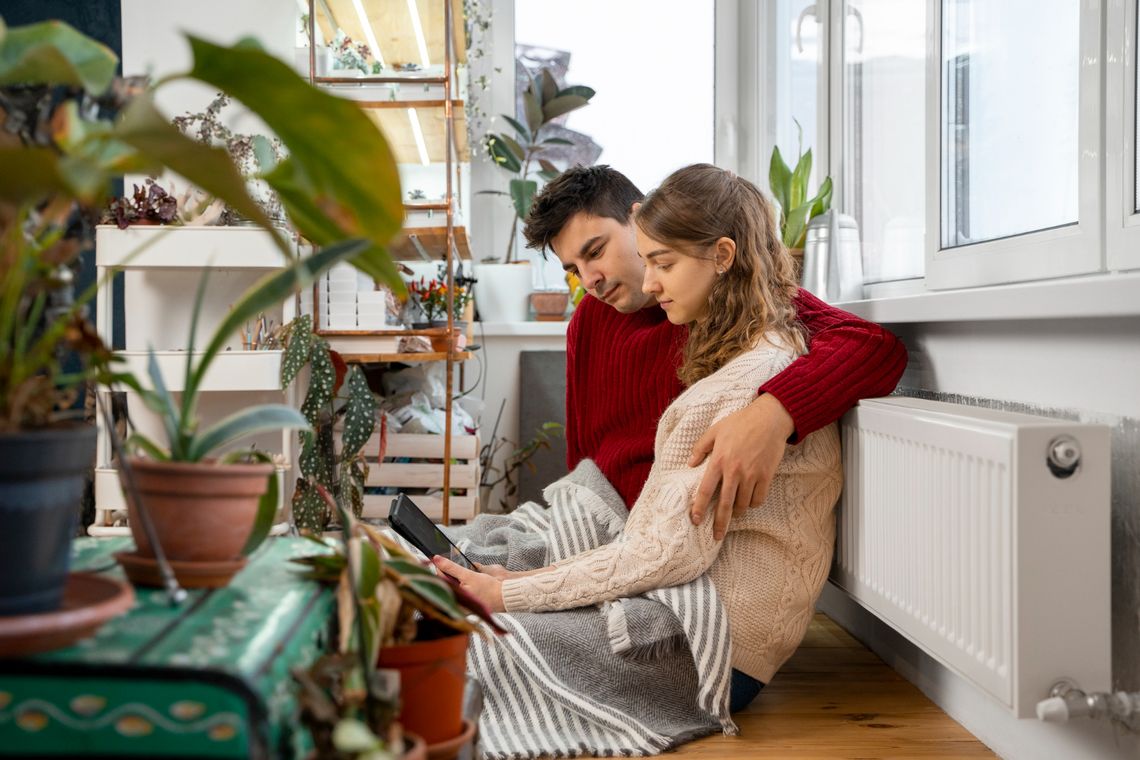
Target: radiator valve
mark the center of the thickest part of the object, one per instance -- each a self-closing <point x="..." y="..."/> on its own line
<point x="1066" y="700"/>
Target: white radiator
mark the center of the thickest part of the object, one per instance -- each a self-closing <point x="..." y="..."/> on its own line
<point x="954" y="529"/>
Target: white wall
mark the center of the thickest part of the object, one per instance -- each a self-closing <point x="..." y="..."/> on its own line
<point x="154" y="39"/>
<point x="1076" y="368"/>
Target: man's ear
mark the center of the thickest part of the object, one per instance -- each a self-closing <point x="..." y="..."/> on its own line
<point x="725" y="253"/>
<point x="633" y="209"/>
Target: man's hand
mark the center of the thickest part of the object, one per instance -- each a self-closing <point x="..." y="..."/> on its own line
<point x="485" y="588"/>
<point x="743" y="450"/>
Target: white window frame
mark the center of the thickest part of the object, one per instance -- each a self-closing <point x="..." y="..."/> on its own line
<point x="1059" y="252"/>
<point x="1122" y="222"/>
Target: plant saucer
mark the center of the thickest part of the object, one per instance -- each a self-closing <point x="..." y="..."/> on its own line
<point x="89" y="600"/>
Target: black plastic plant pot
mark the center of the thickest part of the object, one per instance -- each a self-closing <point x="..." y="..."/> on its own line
<point x="42" y="475"/>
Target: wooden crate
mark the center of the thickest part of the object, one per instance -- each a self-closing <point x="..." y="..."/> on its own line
<point x="423" y="473"/>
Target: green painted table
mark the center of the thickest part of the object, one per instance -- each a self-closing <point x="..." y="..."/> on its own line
<point x="209" y="678"/>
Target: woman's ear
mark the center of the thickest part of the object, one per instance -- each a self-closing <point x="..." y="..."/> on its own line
<point x="725" y="253"/>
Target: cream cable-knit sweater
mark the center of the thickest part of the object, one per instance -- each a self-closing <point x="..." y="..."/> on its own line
<point x="769" y="569"/>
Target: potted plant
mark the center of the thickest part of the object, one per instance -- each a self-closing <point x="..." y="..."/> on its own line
<point x="400" y="614"/>
<point x="430" y="297"/>
<point x="71" y="128"/>
<point x="336" y="395"/>
<point x="525" y="155"/>
<point x="789" y="187"/>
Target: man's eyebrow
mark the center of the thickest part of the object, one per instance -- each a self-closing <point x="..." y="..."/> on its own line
<point x="589" y="245"/>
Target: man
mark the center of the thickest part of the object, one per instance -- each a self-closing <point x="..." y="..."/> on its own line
<point x="622" y="356"/>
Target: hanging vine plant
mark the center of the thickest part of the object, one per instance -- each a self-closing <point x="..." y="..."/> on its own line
<point x="337" y="394"/>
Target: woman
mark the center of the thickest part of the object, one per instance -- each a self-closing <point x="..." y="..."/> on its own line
<point x="714" y="262"/>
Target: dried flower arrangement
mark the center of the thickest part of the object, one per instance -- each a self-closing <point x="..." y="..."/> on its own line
<point x="254" y="155"/>
<point x="351" y="55"/>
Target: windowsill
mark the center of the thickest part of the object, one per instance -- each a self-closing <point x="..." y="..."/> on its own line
<point x="521" y="329"/>
<point x="1101" y="295"/>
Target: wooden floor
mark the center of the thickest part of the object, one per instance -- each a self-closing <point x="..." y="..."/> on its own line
<point x="836" y="699"/>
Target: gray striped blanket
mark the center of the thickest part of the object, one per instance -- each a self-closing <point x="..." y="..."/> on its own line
<point x="633" y="677"/>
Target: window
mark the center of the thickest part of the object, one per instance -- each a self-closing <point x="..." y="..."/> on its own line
<point x="1013" y="142"/>
<point x="1122" y="134"/>
<point x="651" y="63"/>
<point x="884" y="83"/>
<point x="799" y="54"/>
<point x="1009" y="118"/>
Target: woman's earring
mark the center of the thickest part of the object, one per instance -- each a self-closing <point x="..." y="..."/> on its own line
<point x="719" y="270"/>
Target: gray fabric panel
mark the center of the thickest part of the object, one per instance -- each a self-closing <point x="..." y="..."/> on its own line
<point x="542" y="398"/>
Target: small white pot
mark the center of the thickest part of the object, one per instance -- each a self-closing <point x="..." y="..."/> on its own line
<point x="502" y="290"/>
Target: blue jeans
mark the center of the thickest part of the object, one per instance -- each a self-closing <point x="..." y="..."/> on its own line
<point x="742" y="690"/>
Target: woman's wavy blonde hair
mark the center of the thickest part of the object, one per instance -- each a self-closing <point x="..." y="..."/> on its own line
<point x="692" y="209"/>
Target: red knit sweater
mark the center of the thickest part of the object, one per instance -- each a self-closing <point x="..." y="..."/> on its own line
<point x="621" y="374"/>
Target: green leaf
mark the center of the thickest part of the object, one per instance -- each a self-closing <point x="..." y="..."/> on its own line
<point x="795" y="226"/>
<point x="341" y="159"/>
<point x="563" y="104"/>
<point x="263" y="153"/>
<point x="322" y="379"/>
<point x="359" y="416"/>
<point x="579" y="90"/>
<point x="267" y="293"/>
<point x="258" y="419"/>
<point x="266" y="511"/>
<point x="522" y="195"/>
<point x="548" y="167"/>
<point x="514" y="147"/>
<point x="549" y="86"/>
<point x="780" y="180"/>
<point x="822" y="200"/>
<point x="309" y="510"/>
<point x="533" y="110"/>
<point x="54" y="53"/>
<point x="556" y="141"/>
<point x="162" y="403"/>
<point x="502" y="154"/>
<point x="297" y="352"/>
<point x="142" y="443"/>
<point x="144" y="128"/>
<point x="30" y="175"/>
<point x="524" y="133"/>
<point x="798" y="192"/>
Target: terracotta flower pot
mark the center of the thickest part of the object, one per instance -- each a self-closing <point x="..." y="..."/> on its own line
<point x="451" y="748"/>
<point x="550" y="306"/>
<point x="443" y="343"/>
<point x="202" y="511"/>
<point x="432" y="677"/>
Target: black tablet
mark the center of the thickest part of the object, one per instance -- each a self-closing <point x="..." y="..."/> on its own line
<point x="410" y="522"/>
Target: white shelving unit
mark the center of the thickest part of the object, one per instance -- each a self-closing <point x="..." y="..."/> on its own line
<point x="162" y="267"/>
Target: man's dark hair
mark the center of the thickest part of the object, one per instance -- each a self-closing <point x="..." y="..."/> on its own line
<point x="597" y="190"/>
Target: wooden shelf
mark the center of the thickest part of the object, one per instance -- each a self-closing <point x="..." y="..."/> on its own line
<point x="432" y="239"/>
<point x="391" y="23"/>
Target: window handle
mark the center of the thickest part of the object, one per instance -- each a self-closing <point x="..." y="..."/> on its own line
<point x="812" y="11"/>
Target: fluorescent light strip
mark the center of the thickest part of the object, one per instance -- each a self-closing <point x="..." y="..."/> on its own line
<point x="419" y="30"/>
<point x="369" y="37"/>
<point x="418" y="133"/>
